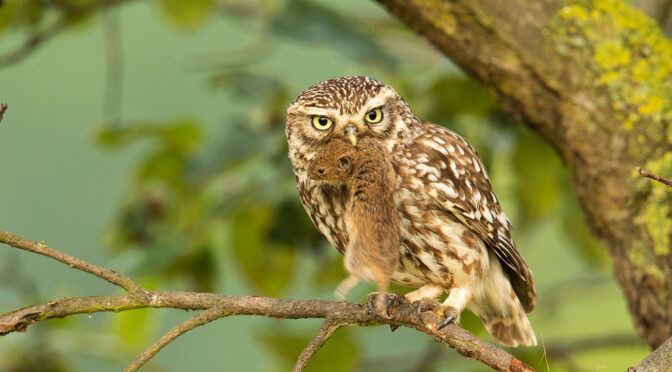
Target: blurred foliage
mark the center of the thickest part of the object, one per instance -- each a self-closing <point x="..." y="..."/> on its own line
<point x="203" y="202"/>
<point x="286" y="345"/>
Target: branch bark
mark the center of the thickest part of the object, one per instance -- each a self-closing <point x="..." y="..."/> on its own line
<point x="3" y="108"/>
<point x="216" y="306"/>
<point x="328" y="328"/>
<point x="652" y="176"/>
<point x="659" y="360"/>
<point x="569" y="71"/>
<point x="69" y="13"/>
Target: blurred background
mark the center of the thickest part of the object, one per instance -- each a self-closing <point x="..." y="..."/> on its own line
<point x="148" y="137"/>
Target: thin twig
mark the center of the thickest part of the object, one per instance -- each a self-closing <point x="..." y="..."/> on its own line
<point x="328" y="328"/>
<point x="114" y="61"/>
<point x="652" y="176"/>
<point x="342" y="313"/>
<point x="3" y="108"/>
<point x="41" y="248"/>
<point x="69" y="14"/>
<point x="200" y="319"/>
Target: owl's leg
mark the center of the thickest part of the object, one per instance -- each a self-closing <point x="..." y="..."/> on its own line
<point x="453" y="305"/>
<point x="431" y="291"/>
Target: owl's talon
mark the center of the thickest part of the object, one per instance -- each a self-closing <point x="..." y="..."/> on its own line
<point x="427" y="304"/>
<point x="369" y="303"/>
<point x="394" y="299"/>
<point x="446" y="321"/>
<point x="391" y="300"/>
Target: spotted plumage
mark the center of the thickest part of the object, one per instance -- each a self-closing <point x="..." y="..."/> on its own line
<point x="455" y="238"/>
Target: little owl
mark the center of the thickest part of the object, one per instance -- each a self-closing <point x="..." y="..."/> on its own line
<point x="455" y="238"/>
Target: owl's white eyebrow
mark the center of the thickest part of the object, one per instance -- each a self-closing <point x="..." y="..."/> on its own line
<point x="376" y="102"/>
<point x="316" y="111"/>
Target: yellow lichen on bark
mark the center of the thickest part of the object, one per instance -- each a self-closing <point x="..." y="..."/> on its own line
<point x="628" y="56"/>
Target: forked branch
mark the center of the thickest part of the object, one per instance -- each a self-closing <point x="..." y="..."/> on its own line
<point x="216" y="306"/>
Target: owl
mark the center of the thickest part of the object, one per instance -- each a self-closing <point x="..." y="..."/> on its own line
<point x="455" y="240"/>
<point x="371" y="216"/>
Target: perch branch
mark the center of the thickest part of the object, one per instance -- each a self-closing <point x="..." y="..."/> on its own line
<point x="328" y="328"/>
<point x="652" y="176"/>
<point x="337" y="313"/>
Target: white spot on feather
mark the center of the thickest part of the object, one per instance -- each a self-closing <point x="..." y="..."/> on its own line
<point x="435" y="146"/>
<point x="425" y="169"/>
<point x="488" y="215"/>
<point x="453" y="167"/>
<point x="449" y="191"/>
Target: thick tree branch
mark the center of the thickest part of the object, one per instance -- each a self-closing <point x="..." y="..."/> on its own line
<point x="652" y="176"/>
<point x="659" y="360"/>
<point x="552" y="65"/>
<point x="216" y="306"/>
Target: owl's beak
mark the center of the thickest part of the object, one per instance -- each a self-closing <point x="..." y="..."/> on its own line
<point x="351" y="134"/>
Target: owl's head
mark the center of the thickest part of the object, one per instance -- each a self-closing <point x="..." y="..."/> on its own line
<point x="348" y="108"/>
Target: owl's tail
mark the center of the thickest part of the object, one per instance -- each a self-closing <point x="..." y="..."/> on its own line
<point x="500" y="310"/>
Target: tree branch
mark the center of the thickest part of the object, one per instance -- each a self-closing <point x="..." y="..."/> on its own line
<point x="41" y="248"/>
<point x="543" y="61"/>
<point x="659" y="360"/>
<point x="328" y="328"/>
<point x="205" y="317"/>
<point x="69" y="14"/>
<point x="3" y="108"/>
<point x="217" y="306"/>
<point x="652" y="176"/>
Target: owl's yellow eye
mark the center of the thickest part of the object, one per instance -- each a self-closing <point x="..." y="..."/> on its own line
<point x="322" y="122"/>
<point x="374" y="116"/>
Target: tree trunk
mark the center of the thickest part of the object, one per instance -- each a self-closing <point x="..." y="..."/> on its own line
<point x="593" y="78"/>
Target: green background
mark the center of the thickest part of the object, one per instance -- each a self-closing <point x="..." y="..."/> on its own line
<point x="192" y="190"/>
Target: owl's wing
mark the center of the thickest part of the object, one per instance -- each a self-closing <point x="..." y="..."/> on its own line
<point x="455" y="178"/>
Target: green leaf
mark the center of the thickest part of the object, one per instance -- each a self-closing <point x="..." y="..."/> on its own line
<point x="585" y="244"/>
<point x="314" y="23"/>
<point x="330" y="270"/>
<point x="182" y="135"/>
<point x="187" y="14"/>
<point x="539" y="175"/>
<point x="135" y="328"/>
<point x="6" y="14"/>
<point x="456" y="94"/>
<point x="267" y="265"/>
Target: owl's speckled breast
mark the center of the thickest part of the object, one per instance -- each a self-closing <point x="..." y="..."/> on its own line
<point x="433" y="245"/>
